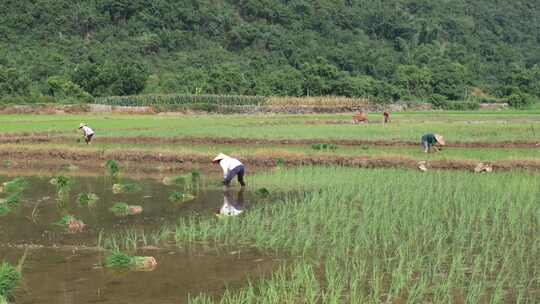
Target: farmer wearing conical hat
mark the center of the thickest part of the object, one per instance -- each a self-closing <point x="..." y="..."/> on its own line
<point x="430" y="142"/>
<point x="87" y="132"/>
<point x="231" y="167"/>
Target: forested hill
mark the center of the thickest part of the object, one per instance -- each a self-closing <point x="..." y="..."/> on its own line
<point x="399" y="49"/>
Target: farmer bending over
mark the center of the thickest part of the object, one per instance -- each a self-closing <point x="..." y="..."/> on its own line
<point x="87" y="132"/>
<point x="231" y="167"/>
<point x="431" y="141"/>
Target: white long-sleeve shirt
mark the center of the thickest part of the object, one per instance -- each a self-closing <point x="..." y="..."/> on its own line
<point x="87" y="131"/>
<point x="227" y="164"/>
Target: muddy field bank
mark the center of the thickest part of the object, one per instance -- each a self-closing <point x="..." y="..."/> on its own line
<point x="20" y="158"/>
<point x="47" y="138"/>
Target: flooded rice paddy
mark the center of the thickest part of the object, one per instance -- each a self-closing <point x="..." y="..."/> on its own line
<point x="67" y="266"/>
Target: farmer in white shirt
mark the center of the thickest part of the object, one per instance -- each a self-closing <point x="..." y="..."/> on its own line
<point x="231" y="167"/>
<point x="88" y="133"/>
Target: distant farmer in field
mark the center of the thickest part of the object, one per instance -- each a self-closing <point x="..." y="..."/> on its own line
<point x="87" y="132"/>
<point x="386" y="117"/>
<point x="431" y="141"/>
<point x="231" y="167"/>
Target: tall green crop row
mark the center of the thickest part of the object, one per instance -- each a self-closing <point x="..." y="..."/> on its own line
<point x="373" y="236"/>
<point x="181" y="99"/>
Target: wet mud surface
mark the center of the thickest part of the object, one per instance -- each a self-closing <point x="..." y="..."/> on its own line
<point x="47" y="138"/>
<point x="78" y="276"/>
<point x="34" y="220"/>
<point x="149" y="162"/>
<point x="64" y="266"/>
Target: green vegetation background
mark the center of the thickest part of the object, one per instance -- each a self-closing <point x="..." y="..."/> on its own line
<point x="423" y="50"/>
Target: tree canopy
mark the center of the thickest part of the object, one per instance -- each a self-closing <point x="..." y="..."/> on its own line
<point x="385" y="50"/>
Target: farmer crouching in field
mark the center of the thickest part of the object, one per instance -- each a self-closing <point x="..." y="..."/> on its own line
<point x="231" y="167"/>
<point x="431" y="141"/>
<point x="87" y="132"/>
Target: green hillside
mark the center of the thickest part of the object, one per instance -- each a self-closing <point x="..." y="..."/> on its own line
<point x="433" y="50"/>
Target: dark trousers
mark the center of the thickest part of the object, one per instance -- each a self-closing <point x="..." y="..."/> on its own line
<point x="88" y="138"/>
<point x="238" y="171"/>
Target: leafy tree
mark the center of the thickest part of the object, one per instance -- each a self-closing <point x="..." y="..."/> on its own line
<point x="63" y="89"/>
<point x="120" y="10"/>
<point x="227" y="78"/>
<point x="450" y="79"/>
<point x="357" y="86"/>
<point x="520" y="100"/>
<point x="284" y="81"/>
<point x="111" y="78"/>
<point x="127" y="78"/>
<point x="12" y="82"/>
<point x="319" y="77"/>
<point x="415" y="80"/>
<point x="521" y="80"/>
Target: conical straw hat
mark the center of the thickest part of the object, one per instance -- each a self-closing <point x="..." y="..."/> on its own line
<point x="220" y="157"/>
<point x="440" y="139"/>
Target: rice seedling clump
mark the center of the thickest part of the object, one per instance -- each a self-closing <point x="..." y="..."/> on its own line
<point x="9" y="279"/>
<point x="63" y="185"/>
<point x="87" y="199"/>
<point x="123" y="209"/>
<point x="71" y="224"/>
<point x="120" y="209"/>
<point x="112" y="168"/>
<point x="17" y="185"/>
<point x="179" y="197"/>
<point x="174" y="180"/>
<point x="119" y="260"/>
<point x="125" y="188"/>
<point x="13" y="189"/>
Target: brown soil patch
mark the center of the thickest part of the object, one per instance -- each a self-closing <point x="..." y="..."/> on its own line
<point x="41" y="138"/>
<point x="53" y="159"/>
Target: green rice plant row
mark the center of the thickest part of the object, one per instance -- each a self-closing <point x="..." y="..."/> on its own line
<point x="389" y="236"/>
<point x="9" y="279"/>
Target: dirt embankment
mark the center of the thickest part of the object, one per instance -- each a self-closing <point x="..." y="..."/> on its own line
<point x="46" y="138"/>
<point x="157" y="162"/>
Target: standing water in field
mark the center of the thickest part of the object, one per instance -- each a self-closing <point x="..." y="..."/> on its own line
<point x="66" y="227"/>
<point x="78" y="276"/>
<point x="38" y="218"/>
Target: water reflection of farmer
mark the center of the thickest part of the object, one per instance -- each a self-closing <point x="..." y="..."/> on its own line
<point x="230" y="206"/>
